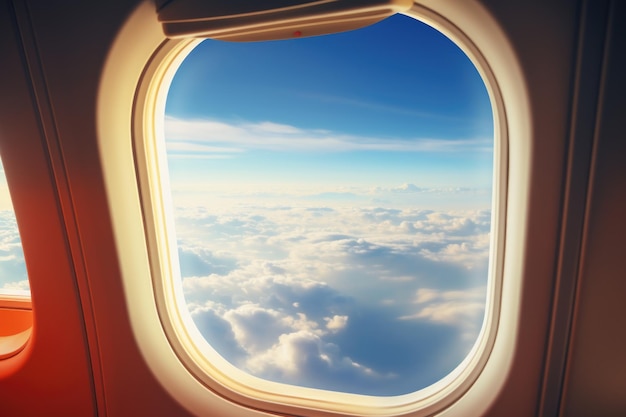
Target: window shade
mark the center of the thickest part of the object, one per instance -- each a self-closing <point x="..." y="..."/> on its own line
<point x="247" y="20"/>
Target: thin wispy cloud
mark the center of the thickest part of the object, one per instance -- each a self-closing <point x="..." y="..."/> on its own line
<point x="203" y="136"/>
<point x="385" y="107"/>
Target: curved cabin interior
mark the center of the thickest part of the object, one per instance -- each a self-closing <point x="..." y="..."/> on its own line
<point x="97" y="313"/>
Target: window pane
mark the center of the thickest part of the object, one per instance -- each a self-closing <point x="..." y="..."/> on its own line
<point x="332" y="199"/>
<point x="13" y="277"/>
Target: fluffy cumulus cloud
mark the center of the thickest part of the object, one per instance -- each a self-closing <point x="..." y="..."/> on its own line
<point x="369" y="300"/>
<point x="13" y="278"/>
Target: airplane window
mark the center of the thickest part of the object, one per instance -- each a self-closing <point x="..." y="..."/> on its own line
<point x="13" y="276"/>
<point x="332" y="199"/>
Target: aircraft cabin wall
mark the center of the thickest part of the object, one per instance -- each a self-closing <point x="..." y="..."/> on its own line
<point x="65" y="65"/>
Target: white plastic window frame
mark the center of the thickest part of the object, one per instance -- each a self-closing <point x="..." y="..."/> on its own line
<point x="175" y="351"/>
<point x="193" y="349"/>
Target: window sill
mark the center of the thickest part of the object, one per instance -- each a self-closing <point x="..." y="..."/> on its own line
<point x="16" y="323"/>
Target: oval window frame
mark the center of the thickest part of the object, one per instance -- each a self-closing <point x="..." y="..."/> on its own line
<point x="195" y="353"/>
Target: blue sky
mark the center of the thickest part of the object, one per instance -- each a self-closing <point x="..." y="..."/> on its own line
<point x="398" y="96"/>
<point x="332" y="200"/>
<point x="397" y="79"/>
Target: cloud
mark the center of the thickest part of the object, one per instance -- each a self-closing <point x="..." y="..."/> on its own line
<point x="220" y="333"/>
<point x="336" y="323"/>
<point x="247" y="319"/>
<point x="380" y="107"/>
<point x="197" y="261"/>
<point x="304" y="358"/>
<point x="374" y="300"/>
<point x="13" y="276"/>
<point x="16" y="287"/>
<point x="210" y="138"/>
<point x="463" y="309"/>
<point x="408" y="188"/>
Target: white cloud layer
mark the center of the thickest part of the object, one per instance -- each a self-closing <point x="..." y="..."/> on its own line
<point x="370" y="300"/>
